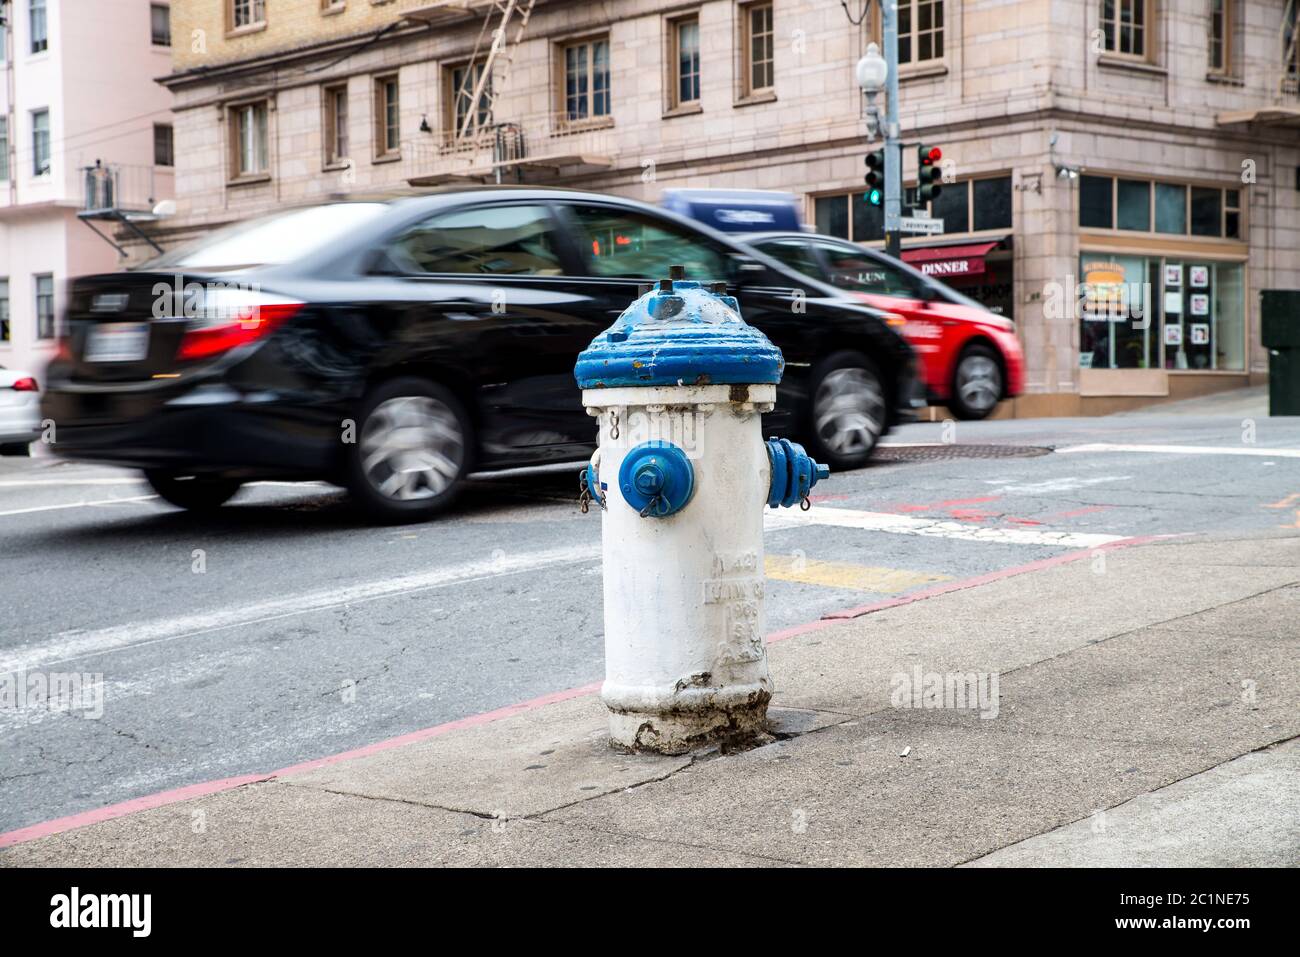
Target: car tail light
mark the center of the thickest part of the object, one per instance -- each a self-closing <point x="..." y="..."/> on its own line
<point x="233" y="317"/>
<point x="26" y="384"/>
<point x="63" y="348"/>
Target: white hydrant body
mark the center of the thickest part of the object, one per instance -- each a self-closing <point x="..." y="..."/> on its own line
<point x="678" y="385"/>
<point x="685" y="659"/>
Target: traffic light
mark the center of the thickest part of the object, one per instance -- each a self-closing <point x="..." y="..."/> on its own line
<point x="875" y="178"/>
<point x="928" y="173"/>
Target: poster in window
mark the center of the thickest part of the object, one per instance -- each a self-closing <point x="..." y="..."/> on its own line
<point x="1199" y="304"/>
<point x="1173" y="303"/>
<point x="1200" y="333"/>
<point x="1173" y="335"/>
<point x="1173" y="274"/>
<point x="1085" y="360"/>
<point x="1200" y="276"/>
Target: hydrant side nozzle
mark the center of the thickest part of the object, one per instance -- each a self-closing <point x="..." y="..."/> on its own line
<point x="657" y="479"/>
<point x="793" y="473"/>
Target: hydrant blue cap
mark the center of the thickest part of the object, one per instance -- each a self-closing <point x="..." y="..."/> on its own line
<point x="686" y="335"/>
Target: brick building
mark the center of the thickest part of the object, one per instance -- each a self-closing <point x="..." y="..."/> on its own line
<point x="1147" y="149"/>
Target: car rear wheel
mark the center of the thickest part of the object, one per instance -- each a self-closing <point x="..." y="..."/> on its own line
<point x="848" y="410"/>
<point x="976" y="383"/>
<point x="196" y="493"/>
<point x="412" y="451"/>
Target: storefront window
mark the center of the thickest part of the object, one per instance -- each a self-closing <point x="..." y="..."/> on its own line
<point x="1095" y="201"/>
<point x="1115" y="310"/>
<point x="1204" y="315"/>
<point x="952" y="206"/>
<point x="1142" y="312"/>
<point x="1171" y="209"/>
<point x="868" y="220"/>
<point x="1134" y="205"/>
<point x="832" y="215"/>
<point x="1108" y="203"/>
<point x="993" y="203"/>
<point x="1206" y="214"/>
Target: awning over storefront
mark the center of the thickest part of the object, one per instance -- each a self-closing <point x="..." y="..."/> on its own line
<point x="946" y="262"/>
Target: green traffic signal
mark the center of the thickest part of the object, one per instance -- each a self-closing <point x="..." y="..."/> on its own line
<point x="875" y="178"/>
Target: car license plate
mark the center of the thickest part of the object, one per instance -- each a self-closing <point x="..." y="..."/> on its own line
<point x="118" y="342"/>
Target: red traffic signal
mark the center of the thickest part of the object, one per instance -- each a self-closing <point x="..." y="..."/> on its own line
<point x="928" y="173"/>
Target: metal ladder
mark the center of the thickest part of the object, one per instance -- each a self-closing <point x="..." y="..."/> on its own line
<point x="505" y="14"/>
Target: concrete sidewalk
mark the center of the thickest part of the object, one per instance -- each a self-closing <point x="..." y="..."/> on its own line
<point x="1145" y="700"/>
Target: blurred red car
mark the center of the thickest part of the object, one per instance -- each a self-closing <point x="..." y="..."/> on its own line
<point x="970" y="358"/>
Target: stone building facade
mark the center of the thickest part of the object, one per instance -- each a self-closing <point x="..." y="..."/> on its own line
<point x="1121" y="175"/>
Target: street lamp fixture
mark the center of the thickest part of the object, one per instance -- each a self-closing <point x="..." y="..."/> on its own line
<point x="872" y="71"/>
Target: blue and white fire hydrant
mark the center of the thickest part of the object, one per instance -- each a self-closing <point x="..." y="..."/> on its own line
<point x="681" y="474"/>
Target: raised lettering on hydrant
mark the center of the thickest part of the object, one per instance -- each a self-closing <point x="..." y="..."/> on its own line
<point x="678" y="385"/>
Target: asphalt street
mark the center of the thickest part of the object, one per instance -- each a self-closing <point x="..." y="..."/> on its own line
<point x="284" y="628"/>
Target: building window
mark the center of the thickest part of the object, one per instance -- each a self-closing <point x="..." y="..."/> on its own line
<point x="4" y="149"/>
<point x="1124" y="27"/>
<point x="4" y="311"/>
<point x="1220" y="31"/>
<point x="1144" y="312"/>
<point x="248" y="140"/>
<point x="160" y="24"/>
<point x="586" y="80"/>
<point x="1134" y="205"/>
<point x="684" y="59"/>
<point x="335" y="100"/>
<point x="757" y="49"/>
<point x="40" y="142"/>
<point x="247" y="13"/>
<point x="45" y="306"/>
<point x="39" y="26"/>
<point x="163" y="153"/>
<point x="388" y="133"/>
<point x="462" y="81"/>
<point x="920" y="30"/>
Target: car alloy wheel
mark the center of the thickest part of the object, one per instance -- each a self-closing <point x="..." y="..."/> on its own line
<point x="848" y="414"/>
<point x="412" y="448"/>
<point x="977" y="385"/>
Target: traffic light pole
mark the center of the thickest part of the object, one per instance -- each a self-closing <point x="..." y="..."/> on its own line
<point x="893" y="148"/>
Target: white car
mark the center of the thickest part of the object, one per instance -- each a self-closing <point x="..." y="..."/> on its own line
<point x="20" y="412"/>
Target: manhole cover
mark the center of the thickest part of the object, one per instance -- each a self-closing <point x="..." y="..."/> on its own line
<point x="932" y="453"/>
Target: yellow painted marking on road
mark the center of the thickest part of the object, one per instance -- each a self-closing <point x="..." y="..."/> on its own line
<point x="884" y="581"/>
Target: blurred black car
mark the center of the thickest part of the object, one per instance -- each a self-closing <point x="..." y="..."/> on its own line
<point x="392" y="347"/>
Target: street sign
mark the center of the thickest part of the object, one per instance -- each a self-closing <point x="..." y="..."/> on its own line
<point x="926" y="226"/>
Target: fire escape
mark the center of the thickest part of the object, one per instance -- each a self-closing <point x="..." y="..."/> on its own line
<point x="119" y="194"/>
<point x="477" y="146"/>
<point x="1283" y="82"/>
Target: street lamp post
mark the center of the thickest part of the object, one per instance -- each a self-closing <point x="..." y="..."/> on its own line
<point x="875" y="71"/>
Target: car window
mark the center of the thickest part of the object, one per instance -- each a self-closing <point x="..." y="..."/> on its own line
<point x="851" y="268"/>
<point x="493" y="240"/>
<point x="795" y="253"/>
<point x="270" y="240"/>
<point x="626" y="244"/>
